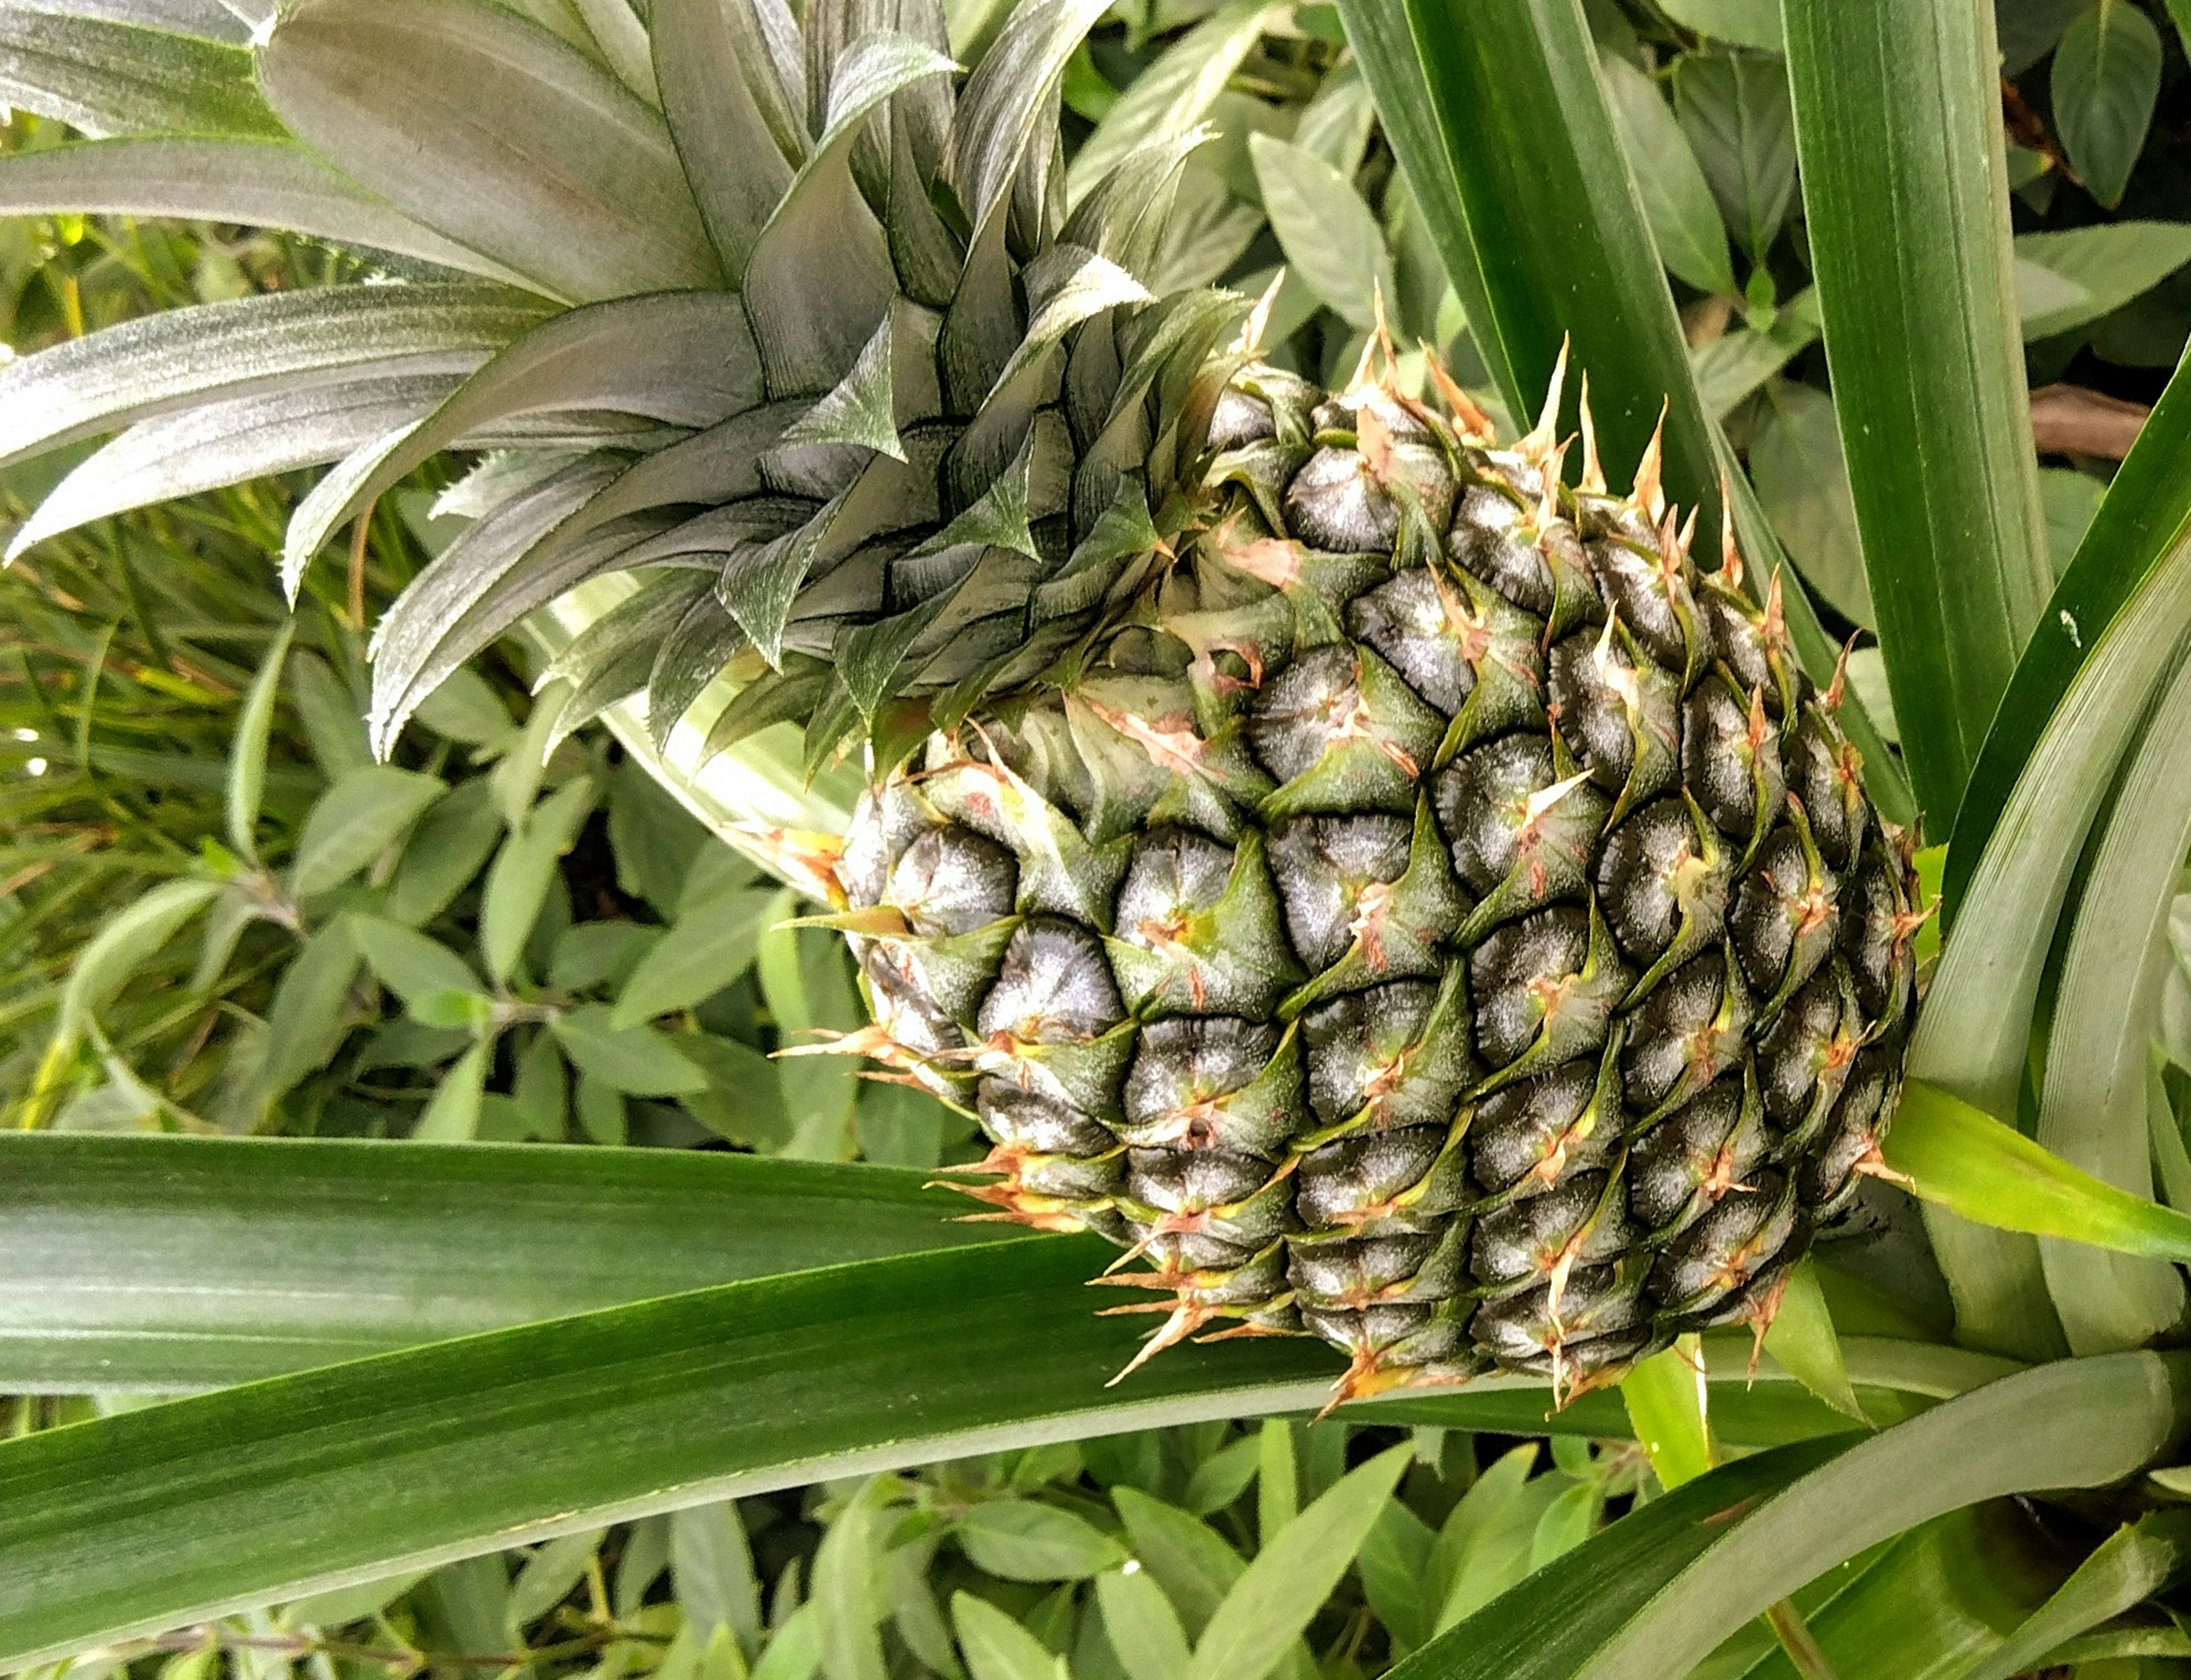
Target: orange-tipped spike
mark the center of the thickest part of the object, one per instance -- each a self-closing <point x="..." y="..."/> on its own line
<point x="1730" y="556"/>
<point x="1837" y="690"/>
<point x="1760" y="1314"/>
<point x="1872" y="1163"/>
<point x="1185" y="1319"/>
<point x="1538" y="446"/>
<point x="1476" y="426"/>
<point x="1649" y="493"/>
<point x="1593" y="470"/>
<point x="1258" y="322"/>
<point x="1381" y="333"/>
<point x="801" y="856"/>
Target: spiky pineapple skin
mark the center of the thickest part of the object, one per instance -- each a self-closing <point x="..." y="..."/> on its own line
<point x="1431" y="912"/>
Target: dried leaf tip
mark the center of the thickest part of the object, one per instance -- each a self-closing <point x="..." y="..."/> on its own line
<point x="1476" y="426"/>
<point x="1251" y="340"/>
<point x="1730" y="556"/>
<point x="1538" y="446"/>
<point x="1593" y="469"/>
<point x="1649" y="493"/>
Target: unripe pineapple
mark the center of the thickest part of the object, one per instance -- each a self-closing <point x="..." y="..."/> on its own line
<point x="1395" y="896"/>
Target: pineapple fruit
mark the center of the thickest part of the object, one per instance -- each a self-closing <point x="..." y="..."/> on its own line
<point x="1396" y="897"/>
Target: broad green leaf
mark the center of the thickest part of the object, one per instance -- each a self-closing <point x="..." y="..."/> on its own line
<point x="102" y="76"/>
<point x="1176" y="92"/>
<point x="2137" y="1560"/>
<point x="449" y="847"/>
<point x="1485" y="1546"/>
<point x="1184" y="1556"/>
<point x="1677" y="201"/>
<point x="1736" y="114"/>
<point x="1002" y="102"/>
<point x="1803" y="484"/>
<point x="408" y="963"/>
<point x="1666" y="1398"/>
<point x="996" y="1646"/>
<point x="1803" y="1339"/>
<point x="2105" y="79"/>
<point x="1277" y="1479"/>
<point x="310" y="1013"/>
<point x="2074" y="275"/>
<point x="454" y="1113"/>
<point x="548" y="1576"/>
<point x="1740" y="23"/>
<point x="1651" y="1597"/>
<point x="517" y="886"/>
<point x="1141" y="1626"/>
<point x="1926" y="361"/>
<point x="356" y="820"/>
<point x="2072" y="500"/>
<point x="264" y="183"/>
<point x="844" y="1591"/>
<point x="1024" y="1540"/>
<point x="637" y="1060"/>
<point x="167" y="1262"/>
<point x="1218" y="1480"/>
<point x="1394" y="1564"/>
<point x="129" y="938"/>
<point x="1329" y="235"/>
<point x="543" y="162"/>
<point x="246" y="765"/>
<point x="1276" y="1598"/>
<point x="254" y="345"/>
<point x="706" y="948"/>
<point x="1972" y="1163"/>
<point x="732" y="122"/>
<point x="711" y="1562"/>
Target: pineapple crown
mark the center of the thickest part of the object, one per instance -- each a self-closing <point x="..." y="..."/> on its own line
<point x="782" y="319"/>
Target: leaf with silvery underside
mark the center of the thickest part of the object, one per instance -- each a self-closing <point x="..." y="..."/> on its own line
<point x="2105" y="78"/>
<point x="729" y="116"/>
<point x="1330" y="236"/>
<point x="2092" y="1106"/>
<point x="1067" y="286"/>
<point x="231" y="440"/>
<point x="2074" y="277"/>
<point x="263" y="183"/>
<point x="279" y="341"/>
<point x="356" y="821"/>
<point x="545" y="163"/>
<point x="861" y="409"/>
<point x="685" y="358"/>
<point x="103" y="76"/>
<point x="1173" y="94"/>
<point x="1677" y="201"/>
<point x="1002" y="104"/>
<point x="810" y="337"/>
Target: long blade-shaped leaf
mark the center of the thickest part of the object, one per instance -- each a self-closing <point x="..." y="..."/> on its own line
<point x="165" y="1263"/>
<point x="106" y="76"/>
<point x="2138" y="1559"/>
<point x="274" y="342"/>
<point x="486" y="127"/>
<point x="1718" y="1552"/>
<point x="263" y="183"/>
<point x="1898" y="125"/>
<point x="1494" y="108"/>
<point x="734" y="128"/>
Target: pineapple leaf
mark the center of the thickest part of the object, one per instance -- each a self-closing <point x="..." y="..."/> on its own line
<point x="861" y="409"/>
<point x="1921" y="336"/>
<point x="1651" y="1596"/>
<point x="733" y="124"/>
<point x="541" y="159"/>
<point x="103" y="76"/>
<point x="1003" y="105"/>
<point x="811" y="335"/>
<point x="258" y="182"/>
<point x="208" y="19"/>
<point x="232" y="440"/>
<point x="2138" y="1559"/>
<point x="281" y="341"/>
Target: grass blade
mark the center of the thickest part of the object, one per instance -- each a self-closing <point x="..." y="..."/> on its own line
<point x="1897" y="119"/>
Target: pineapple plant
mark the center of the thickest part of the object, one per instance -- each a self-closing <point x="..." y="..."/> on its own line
<point x="1398" y="897"/>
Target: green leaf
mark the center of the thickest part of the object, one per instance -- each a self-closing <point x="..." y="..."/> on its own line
<point x="263" y="183"/>
<point x="1330" y="236"/>
<point x="2072" y="500"/>
<point x="844" y="1591"/>
<point x="637" y="1060"/>
<point x="517" y="886"/>
<point x="246" y="765"/>
<point x="450" y="847"/>
<point x="1173" y="94"/>
<point x="733" y="123"/>
<point x="1677" y="201"/>
<point x="1141" y="1626"/>
<point x="2074" y="275"/>
<point x="355" y="821"/>
<point x="1803" y="484"/>
<point x="104" y="77"/>
<point x="1184" y="1556"/>
<point x="1650" y="1596"/>
<point x="548" y="1575"/>
<point x="2105" y="79"/>
<point x="1736" y="114"/>
<point x="1023" y="1539"/>
<point x="1803" y="1339"/>
<point x="2137" y="1560"/>
<point x="1277" y="1479"/>
<point x="453" y="1116"/>
<point x="164" y="1262"/>
<point x="543" y="162"/>
<point x="1275" y="1599"/>
<point x="1740" y="23"/>
<point x="1666" y="1400"/>
<point x="707" y="948"/>
<point x="711" y="1564"/>
<point x="1971" y="1163"/>
<point x="414" y="966"/>
<point x="996" y="1646"/>
<point x="310" y="1016"/>
<point x="1926" y="362"/>
<point x="129" y="939"/>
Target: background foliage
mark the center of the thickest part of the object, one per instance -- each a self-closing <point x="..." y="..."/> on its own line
<point x="217" y="914"/>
